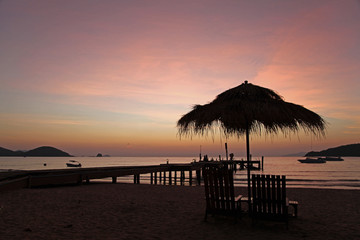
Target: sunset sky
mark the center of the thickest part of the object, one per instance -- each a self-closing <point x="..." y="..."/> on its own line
<point x="89" y="76"/>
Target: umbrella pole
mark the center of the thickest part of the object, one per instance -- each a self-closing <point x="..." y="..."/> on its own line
<point x="248" y="167"/>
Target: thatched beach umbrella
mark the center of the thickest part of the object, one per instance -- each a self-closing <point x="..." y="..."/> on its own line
<point x="247" y="109"/>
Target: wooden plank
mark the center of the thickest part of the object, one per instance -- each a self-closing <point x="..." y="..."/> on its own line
<point x="278" y="194"/>
<point x="227" y="190"/>
<point x="254" y="194"/>
<point x="232" y="193"/>
<point x="268" y="195"/>
<point x="283" y="196"/>
<point x="258" y="188"/>
<point x="273" y="193"/>
<point x="211" y="188"/>
<point x="218" y="189"/>
<point x="207" y="187"/>
<point x="263" y="194"/>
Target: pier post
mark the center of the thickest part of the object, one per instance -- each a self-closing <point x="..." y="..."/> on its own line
<point x="87" y="179"/>
<point x="226" y="150"/>
<point x="114" y="179"/>
<point x="262" y="163"/>
<point x="182" y="177"/>
<point x="190" y="177"/>
<point x="151" y="178"/>
<point x="175" y="177"/>
<point x="164" y="178"/>
<point x="137" y="178"/>
<point x="79" y="181"/>
<point x="155" y="178"/>
<point x="170" y="180"/>
<point x="198" y="176"/>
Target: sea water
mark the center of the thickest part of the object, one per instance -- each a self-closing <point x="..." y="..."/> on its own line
<point x="332" y="174"/>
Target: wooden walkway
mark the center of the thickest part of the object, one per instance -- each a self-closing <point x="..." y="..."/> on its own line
<point x="171" y="174"/>
<point x="159" y="174"/>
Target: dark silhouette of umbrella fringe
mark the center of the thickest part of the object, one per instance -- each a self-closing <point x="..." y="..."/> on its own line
<point x="251" y="107"/>
<point x="247" y="109"/>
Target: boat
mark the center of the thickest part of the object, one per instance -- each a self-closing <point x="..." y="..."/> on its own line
<point x="73" y="163"/>
<point x="328" y="158"/>
<point x="312" y="160"/>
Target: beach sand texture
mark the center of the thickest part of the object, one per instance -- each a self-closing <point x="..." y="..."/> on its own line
<point x="130" y="211"/>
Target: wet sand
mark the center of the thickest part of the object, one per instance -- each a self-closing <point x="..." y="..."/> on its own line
<point x="129" y="211"/>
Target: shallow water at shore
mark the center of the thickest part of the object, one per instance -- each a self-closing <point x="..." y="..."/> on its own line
<point x="336" y="175"/>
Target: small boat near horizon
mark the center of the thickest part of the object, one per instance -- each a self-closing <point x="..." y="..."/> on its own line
<point x="328" y="158"/>
<point x="73" y="163"/>
<point x="312" y="160"/>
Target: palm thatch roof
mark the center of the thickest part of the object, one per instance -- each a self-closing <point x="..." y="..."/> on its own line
<point x="251" y="107"/>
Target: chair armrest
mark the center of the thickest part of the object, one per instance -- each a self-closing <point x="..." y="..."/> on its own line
<point x="244" y="199"/>
<point x="293" y="203"/>
<point x="238" y="198"/>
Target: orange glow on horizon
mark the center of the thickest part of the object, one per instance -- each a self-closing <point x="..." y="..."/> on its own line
<point x="115" y="78"/>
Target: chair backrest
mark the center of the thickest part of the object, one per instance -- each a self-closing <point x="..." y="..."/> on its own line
<point x="269" y="196"/>
<point x="219" y="188"/>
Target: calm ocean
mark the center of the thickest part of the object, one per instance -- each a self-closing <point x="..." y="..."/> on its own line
<point x="338" y="175"/>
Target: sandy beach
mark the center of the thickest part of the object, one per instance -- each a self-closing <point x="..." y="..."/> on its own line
<point x="129" y="211"/>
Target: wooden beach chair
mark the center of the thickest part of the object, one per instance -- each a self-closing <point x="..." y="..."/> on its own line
<point x="219" y="192"/>
<point x="269" y="199"/>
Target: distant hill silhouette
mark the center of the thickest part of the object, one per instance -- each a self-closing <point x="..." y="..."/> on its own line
<point x="351" y="150"/>
<point x="44" y="151"/>
<point x="7" y="152"/>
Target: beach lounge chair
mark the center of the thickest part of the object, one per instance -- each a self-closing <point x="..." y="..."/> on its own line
<point x="219" y="191"/>
<point x="269" y="199"/>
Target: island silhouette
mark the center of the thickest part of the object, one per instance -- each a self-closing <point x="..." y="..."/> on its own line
<point x="350" y="150"/>
<point x="44" y="151"/>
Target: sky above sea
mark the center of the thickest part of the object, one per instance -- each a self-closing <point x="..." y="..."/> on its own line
<point x="89" y="76"/>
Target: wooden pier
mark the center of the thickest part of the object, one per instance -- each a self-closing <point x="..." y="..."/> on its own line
<point x="165" y="174"/>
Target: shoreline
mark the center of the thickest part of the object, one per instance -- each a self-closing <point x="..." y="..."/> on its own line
<point x="142" y="211"/>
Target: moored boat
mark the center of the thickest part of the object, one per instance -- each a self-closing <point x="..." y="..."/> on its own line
<point x="328" y="158"/>
<point x="312" y="160"/>
<point x="73" y="163"/>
